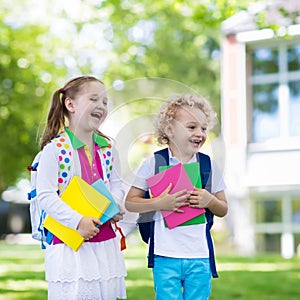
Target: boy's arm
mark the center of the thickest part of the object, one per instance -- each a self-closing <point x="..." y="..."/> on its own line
<point x="216" y="203"/>
<point x="136" y="203"/>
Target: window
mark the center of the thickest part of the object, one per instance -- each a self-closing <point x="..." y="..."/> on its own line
<point x="264" y="61"/>
<point x="297" y="243"/>
<point x="294" y="108"/>
<point x="276" y="216"/>
<point x="268" y="243"/>
<point x="296" y="210"/>
<point x="265" y="114"/>
<point x="275" y="91"/>
<point x="268" y="211"/>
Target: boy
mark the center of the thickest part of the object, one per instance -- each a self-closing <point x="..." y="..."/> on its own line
<point x="181" y="256"/>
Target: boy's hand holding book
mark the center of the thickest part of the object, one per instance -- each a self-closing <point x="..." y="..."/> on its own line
<point x="184" y="178"/>
<point x="173" y="202"/>
<point x="199" y="198"/>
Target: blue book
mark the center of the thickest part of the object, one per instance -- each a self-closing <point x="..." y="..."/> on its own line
<point x="113" y="208"/>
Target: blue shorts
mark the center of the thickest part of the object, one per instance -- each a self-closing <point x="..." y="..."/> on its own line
<point x="181" y="278"/>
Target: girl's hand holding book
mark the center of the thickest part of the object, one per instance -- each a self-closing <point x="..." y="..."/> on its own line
<point x="118" y="217"/>
<point x="88" y="227"/>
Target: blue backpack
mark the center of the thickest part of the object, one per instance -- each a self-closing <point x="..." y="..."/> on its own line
<point x="146" y="223"/>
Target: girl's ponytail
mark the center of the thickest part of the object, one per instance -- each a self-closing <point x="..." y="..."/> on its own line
<point x="56" y="117"/>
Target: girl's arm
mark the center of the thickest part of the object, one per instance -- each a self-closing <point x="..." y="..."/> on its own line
<point x="116" y="185"/>
<point x="46" y="185"/>
<point x="135" y="202"/>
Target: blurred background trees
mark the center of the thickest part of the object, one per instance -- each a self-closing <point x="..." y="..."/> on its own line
<point x="44" y="43"/>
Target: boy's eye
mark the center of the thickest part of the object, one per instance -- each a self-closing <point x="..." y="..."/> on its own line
<point x="192" y="127"/>
<point x="204" y="129"/>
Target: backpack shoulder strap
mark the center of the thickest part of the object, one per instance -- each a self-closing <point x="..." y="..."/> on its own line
<point x="205" y="171"/>
<point x="107" y="159"/>
<point x="64" y="153"/>
<point x="33" y="170"/>
<point x="161" y="159"/>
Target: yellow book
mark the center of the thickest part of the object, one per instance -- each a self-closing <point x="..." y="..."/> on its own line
<point x="86" y="200"/>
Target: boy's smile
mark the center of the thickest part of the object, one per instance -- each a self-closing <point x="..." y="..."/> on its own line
<point x="187" y="132"/>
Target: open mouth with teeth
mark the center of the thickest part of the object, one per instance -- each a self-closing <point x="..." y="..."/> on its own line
<point x="96" y="115"/>
<point x="195" y="142"/>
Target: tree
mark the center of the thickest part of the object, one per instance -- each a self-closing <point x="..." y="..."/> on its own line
<point x="25" y="83"/>
<point x="115" y="40"/>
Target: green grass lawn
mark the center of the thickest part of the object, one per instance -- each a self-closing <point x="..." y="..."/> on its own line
<point x="267" y="277"/>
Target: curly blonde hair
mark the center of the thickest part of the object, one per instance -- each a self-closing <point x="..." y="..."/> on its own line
<point x="168" y="111"/>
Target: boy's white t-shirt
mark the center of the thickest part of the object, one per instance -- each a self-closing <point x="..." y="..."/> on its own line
<point x="181" y="241"/>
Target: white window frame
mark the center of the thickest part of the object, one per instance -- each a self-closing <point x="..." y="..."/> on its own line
<point x="284" y="140"/>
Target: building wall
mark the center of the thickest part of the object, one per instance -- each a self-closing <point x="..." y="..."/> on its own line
<point x="234" y="135"/>
<point x="263" y="178"/>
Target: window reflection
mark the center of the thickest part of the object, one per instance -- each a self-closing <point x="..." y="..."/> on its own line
<point x="296" y="211"/>
<point x="265" y="116"/>
<point x="268" y="211"/>
<point x="294" y="108"/>
<point x="293" y="57"/>
<point x="268" y="242"/>
<point x="264" y="61"/>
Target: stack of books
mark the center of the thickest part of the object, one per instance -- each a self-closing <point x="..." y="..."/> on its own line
<point x="89" y="200"/>
<point x="182" y="177"/>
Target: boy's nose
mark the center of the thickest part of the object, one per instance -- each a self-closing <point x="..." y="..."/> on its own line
<point x="200" y="132"/>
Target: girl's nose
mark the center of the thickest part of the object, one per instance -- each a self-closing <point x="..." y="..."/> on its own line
<point x="101" y="104"/>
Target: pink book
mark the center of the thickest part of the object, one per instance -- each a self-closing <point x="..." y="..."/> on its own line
<point x="180" y="181"/>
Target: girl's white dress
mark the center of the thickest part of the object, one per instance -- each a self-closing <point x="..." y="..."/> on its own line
<point x="97" y="270"/>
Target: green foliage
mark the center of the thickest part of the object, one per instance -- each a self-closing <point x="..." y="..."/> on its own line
<point x="114" y="40"/>
<point x="177" y="40"/>
<point x="25" y="89"/>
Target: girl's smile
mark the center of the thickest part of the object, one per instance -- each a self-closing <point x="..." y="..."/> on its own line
<point x="89" y="108"/>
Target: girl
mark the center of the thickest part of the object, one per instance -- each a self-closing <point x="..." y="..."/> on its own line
<point x="97" y="269"/>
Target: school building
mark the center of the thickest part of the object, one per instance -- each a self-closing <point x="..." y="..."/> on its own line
<point x="260" y="95"/>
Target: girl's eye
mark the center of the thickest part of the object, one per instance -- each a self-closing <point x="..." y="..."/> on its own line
<point x="93" y="99"/>
<point x="192" y="127"/>
<point x="204" y="129"/>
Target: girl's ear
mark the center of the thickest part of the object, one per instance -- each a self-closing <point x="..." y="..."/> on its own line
<point x="69" y="104"/>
